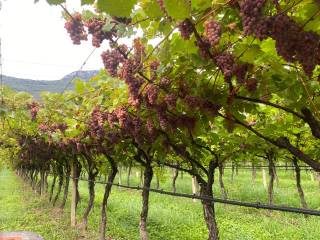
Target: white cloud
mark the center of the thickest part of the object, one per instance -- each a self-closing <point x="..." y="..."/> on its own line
<point x="36" y="45"/>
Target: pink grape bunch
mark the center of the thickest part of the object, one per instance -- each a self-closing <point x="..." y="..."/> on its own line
<point x="251" y="13"/>
<point x="225" y="62"/>
<point x="95" y="28"/>
<point x="34" y="109"/>
<point x="75" y="28"/>
<point x="163" y="8"/>
<point x="295" y="44"/>
<point x="151" y="130"/>
<point x="251" y="84"/>
<point x="154" y="65"/>
<point x="96" y="123"/>
<point x="204" y="46"/>
<point x="128" y="74"/>
<point x="186" y="29"/>
<point x="111" y="60"/>
<point x="240" y="72"/>
<point x="171" y="100"/>
<point x="213" y="31"/>
<point x="139" y="52"/>
<point x="152" y="92"/>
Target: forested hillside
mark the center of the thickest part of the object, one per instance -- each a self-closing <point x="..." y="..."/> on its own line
<point x="35" y="87"/>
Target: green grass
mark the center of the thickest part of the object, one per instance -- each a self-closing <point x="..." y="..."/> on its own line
<point x="170" y="218"/>
<point x="23" y="210"/>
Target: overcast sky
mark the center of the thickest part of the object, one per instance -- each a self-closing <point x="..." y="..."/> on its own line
<point x="35" y="44"/>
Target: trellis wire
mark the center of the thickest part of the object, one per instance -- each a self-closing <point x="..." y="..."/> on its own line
<point x="256" y="205"/>
<point x="266" y="167"/>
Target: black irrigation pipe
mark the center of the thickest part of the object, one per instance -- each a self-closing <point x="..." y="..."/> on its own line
<point x="258" y="168"/>
<point x="302" y="167"/>
<point x="256" y="205"/>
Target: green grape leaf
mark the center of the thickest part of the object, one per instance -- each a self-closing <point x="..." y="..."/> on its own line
<point x="152" y="8"/>
<point x="182" y="46"/>
<point x="87" y="2"/>
<point x="55" y="2"/>
<point x="79" y="86"/>
<point x="201" y="4"/>
<point x="87" y="14"/>
<point x="178" y="9"/>
<point x="119" y="8"/>
<point x="248" y="53"/>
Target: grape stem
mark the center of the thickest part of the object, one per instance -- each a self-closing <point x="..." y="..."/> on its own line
<point x="66" y="11"/>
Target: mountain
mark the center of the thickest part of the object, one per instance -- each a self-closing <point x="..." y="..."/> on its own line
<point x="35" y="87"/>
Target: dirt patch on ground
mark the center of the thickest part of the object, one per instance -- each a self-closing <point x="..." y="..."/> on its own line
<point x="19" y="236"/>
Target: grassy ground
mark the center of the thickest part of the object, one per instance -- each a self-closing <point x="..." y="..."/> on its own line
<point x="22" y="209"/>
<point x="170" y="218"/>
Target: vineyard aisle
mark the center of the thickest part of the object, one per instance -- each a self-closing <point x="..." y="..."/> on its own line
<point x="23" y="210"/>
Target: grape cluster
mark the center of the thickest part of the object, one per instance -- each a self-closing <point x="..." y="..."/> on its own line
<point x="163" y="120"/>
<point x="225" y="62"/>
<point x="294" y="44"/>
<point x="286" y="34"/>
<point x="129" y="125"/>
<point x="152" y="131"/>
<point x="43" y="128"/>
<point x="233" y="3"/>
<point x="96" y="123"/>
<point x="204" y="46"/>
<point x="75" y="28"/>
<point x="171" y="100"/>
<point x="165" y="82"/>
<point x="111" y="60"/>
<point x="154" y="65"/>
<point x="152" y="92"/>
<point x="213" y="31"/>
<point x="134" y="100"/>
<point x="186" y="29"/>
<point x="193" y="101"/>
<point x="163" y="8"/>
<point x="62" y="127"/>
<point x="59" y="126"/>
<point x="251" y="13"/>
<point x="262" y="29"/>
<point x="113" y="137"/>
<point x="34" y="109"/>
<point x="111" y="118"/>
<point x="183" y="88"/>
<point x="251" y="84"/>
<point x="95" y="28"/>
<point x="138" y="51"/>
<point x="210" y="107"/>
<point x="185" y="121"/>
<point x="240" y="72"/>
<point x="127" y="73"/>
<point x="123" y="118"/>
<point x="137" y="130"/>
